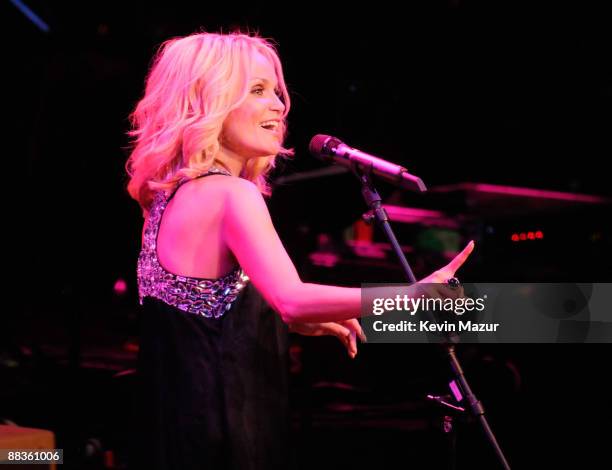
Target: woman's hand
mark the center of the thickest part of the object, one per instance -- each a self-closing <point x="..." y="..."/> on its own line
<point x="438" y="278"/>
<point x="346" y="331"/>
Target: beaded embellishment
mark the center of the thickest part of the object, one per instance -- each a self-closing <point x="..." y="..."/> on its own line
<point x="210" y="298"/>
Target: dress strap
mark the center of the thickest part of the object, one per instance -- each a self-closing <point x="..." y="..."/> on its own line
<point x="213" y="170"/>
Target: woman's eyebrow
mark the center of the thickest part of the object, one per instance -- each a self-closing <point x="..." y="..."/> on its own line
<point x="265" y="80"/>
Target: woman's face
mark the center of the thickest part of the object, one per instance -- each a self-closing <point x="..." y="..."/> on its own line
<point x="253" y="129"/>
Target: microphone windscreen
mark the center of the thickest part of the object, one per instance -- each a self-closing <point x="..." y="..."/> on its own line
<point x="316" y="144"/>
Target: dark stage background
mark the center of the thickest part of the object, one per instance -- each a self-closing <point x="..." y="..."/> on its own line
<point x="504" y="93"/>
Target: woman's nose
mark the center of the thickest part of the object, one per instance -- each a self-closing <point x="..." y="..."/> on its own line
<point x="277" y="104"/>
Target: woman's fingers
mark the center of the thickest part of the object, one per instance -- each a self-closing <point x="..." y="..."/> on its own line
<point x="456" y="263"/>
<point x="345" y="332"/>
<point x="352" y="344"/>
<point x="354" y="325"/>
<point x="336" y="329"/>
<point x="345" y="336"/>
<point x="354" y="331"/>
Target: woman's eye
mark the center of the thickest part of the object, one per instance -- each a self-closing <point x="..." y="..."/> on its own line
<point x="258" y="91"/>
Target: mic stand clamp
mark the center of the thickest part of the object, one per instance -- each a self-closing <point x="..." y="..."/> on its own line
<point x="450" y="413"/>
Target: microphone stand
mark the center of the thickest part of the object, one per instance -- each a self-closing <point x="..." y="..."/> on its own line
<point x="378" y="213"/>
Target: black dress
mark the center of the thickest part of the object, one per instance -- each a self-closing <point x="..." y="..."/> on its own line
<point x="212" y="385"/>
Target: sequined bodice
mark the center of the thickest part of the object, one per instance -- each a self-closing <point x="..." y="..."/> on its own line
<point x="206" y="297"/>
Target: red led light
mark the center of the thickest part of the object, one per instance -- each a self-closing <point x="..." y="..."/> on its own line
<point x="523" y="236"/>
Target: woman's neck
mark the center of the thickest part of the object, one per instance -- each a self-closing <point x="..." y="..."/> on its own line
<point x="232" y="163"/>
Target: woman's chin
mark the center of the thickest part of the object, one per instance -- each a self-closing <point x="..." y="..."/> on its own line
<point x="269" y="151"/>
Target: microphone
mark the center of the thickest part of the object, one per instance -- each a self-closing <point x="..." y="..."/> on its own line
<point x="333" y="150"/>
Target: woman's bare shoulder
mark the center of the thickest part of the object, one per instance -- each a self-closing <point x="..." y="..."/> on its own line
<point x="218" y="190"/>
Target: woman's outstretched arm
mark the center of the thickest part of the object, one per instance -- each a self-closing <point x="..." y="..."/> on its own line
<point x="250" y="235"/>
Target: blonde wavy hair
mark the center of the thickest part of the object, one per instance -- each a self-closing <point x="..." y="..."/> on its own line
<point x="192" y="86"/>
